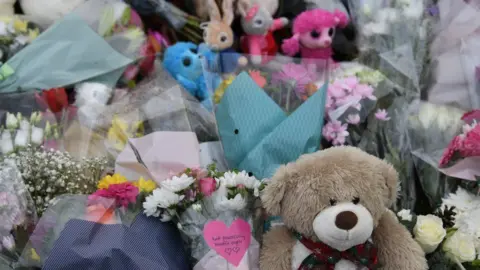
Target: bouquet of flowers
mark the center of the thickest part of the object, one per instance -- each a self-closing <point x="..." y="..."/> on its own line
<point x="449" y="236"/>
<point x="17" y="212"/>
<point x="48" y="173"/>
<point x="285" y="80"/>
<point x="109" y="229"/>
<point x="15" y="34"/>
<point x="394" y="37"/>
<point x="214" y="213"/>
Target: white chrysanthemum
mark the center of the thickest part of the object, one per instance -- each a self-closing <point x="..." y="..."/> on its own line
<point x="88" y="93"/>
<point x="177" y="184"/>
<point x="405" y="214"/>
<point x="222" y="203"/>
<point x="232" y="179"/>
<point x="160" y="198"/>
<point x="469" y="223"/>
<point x="463" y="201"/>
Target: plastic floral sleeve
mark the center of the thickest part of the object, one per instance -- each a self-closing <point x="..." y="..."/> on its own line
<point x="288" y="81"/>
<point x="430" y="128"/>
<point x="74" y="231"/>
<point x="17" y="213"/>
<point x="454" y="58"/>
<point x="394" y="38"/>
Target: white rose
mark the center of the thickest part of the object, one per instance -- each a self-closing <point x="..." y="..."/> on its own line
<point x="405" y="214"/>
<point x="460" y="247"/>
<point x="429" y="232"/>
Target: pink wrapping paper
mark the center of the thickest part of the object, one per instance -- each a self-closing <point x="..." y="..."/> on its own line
<point x="163" y="153"/>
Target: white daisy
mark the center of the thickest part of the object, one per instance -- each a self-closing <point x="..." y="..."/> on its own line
<point x="177" y="184"/>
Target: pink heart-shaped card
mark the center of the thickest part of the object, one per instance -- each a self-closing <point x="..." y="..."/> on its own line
<point x="229" y="242"/>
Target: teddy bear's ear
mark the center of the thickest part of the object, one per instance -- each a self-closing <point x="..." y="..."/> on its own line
<point x="391" y="180"/>
<point x="275" y="190"/>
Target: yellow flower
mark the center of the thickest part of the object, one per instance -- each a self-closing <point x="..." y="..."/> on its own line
<point x="221" y="88"/>
<point x="35" y="255"/>
<point x="20" y="25"/>
<point x="111" y="180"/>
<point x="120" y="132"/>
<point x="33" y="34"/>
<point x="145" y="186"/>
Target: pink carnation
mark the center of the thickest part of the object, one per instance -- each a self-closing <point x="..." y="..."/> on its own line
<point x="123" y="194"/>
<point x="452" y="148"/>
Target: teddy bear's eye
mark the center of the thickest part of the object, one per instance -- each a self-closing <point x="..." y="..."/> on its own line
<point x="193" y="50"/>
<point x="333" y="202"/>
<point x="187" y="61"/>
<point x="314" y="34"/>
<point x="236" y="131"/>
<point x="250" y="174"/>
<point x="356" y="200"/>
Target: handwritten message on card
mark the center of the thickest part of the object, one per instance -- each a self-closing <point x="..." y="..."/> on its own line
<point x="229" y="242"/>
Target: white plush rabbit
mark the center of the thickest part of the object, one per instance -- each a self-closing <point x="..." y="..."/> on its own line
<point x="6" y="7"/>
<point x="46" y="12"/>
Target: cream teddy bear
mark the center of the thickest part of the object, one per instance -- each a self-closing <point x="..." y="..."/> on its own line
<point x="334" y="204"/>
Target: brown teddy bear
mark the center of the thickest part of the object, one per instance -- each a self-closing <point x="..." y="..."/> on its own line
<point x="334" y="204"/>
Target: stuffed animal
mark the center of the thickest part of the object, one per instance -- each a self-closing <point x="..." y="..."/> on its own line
<point x="6" y="7"/>
<point x="259" y="25"/>
<point x="184" y="63"/>
<point x="219" y="37"/>
<point x="334" y="204"/>
<point x="313" y="33"/>
<point x="46" y="13"/>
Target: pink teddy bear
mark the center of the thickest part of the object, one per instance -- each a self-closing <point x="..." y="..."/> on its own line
<point x="313" y="34"/>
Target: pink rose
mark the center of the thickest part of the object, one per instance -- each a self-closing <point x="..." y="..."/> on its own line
<point x="208" y="186"/>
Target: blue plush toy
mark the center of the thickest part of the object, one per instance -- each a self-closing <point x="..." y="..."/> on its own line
<point x="184" y="63"/>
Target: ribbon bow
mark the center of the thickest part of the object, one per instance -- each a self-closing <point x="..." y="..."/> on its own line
<point x="362" y="255"/>
<point x="5" y="71"/>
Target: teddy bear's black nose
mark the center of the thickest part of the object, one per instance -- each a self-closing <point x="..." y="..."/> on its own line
<point x="346" y="220"/>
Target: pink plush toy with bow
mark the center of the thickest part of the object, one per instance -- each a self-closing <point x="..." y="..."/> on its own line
<point x="259" y="26"/>
<point x="313" y="33"/>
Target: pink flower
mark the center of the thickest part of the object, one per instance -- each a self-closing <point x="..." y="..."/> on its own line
<point x="353" y="119"/>
<point x="208" y="186"/>
<point x="295" y="73"/>
<point x="258" y="78"/>
<point x="365" y="91"/>
<point x="471" y="142"/>
<point x="469" y="117"/>
<point x="123" y="194"/>
<point x="452" y="148"/>
<point x="382" y="115"/>
<point x="335" y="132"/>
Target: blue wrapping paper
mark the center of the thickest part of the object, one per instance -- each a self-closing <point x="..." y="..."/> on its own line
<point x="258" y="136"/>
<point x="67" y="53"/>
<point x="147" y="244"/>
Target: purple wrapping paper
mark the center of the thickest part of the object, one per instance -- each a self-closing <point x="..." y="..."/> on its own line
<point x="146" y="244"/>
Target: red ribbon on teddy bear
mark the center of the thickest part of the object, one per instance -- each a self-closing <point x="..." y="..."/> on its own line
<point x="363" y="255"/>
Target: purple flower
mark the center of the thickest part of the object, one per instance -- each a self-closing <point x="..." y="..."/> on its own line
<point x="294" y="73"/>
<point x="382" y="115"/>
<point x="353" y="119"/>
<point x="335" y="132"/>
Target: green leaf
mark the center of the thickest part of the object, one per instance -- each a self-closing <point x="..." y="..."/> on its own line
<point x="450" y="232"/>
<point x="476" y="263"/>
